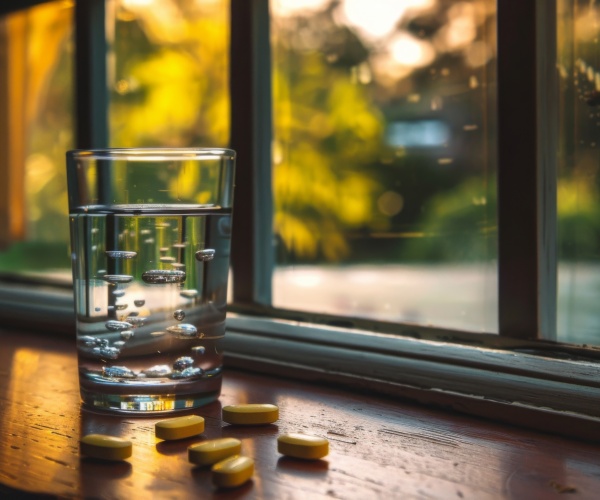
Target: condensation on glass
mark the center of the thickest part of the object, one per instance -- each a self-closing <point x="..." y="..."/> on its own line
<point x="384" y="160"/>
<point x="579" y="171"/>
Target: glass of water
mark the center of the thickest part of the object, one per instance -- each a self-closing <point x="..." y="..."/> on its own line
<point x="150" y="238"/>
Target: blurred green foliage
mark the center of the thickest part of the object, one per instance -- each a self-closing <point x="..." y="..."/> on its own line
<point x="169" y="87"/>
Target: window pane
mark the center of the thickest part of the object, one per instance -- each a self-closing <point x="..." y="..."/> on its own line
<point x="168" y="72"/>
<point x="36" y="118"/>
<point x="383" y="160"/>
<point x="579" y="176"/>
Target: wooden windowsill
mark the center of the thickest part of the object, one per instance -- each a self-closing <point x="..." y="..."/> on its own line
<point x="379" y="448"/>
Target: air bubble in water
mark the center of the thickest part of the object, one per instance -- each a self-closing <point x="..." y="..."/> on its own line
<point x="189" y="294"/>
<point x="145" y="231"/>
<point x="119" y="293"/>
<point x="183" y="363"/>
<point x="159" y="333"/>
<point x="101" y="342"/>
<point x="97" y="309"/>
<point x="118" y="344"/>
<point x="127" y="334"/>
<point x="168" y="259"/>
<point x="179" y="245"/>
<point x="187" y="373"/>
<point x="134" y="313"/>
<point x="179" y="314"/>
<point x="120" y="307"/>
<point x="120" y="254"/>
<point x="164" y="249"/>
<point x="183" y="331"/>
<point x="139" y="302"/>
<point x="106" y="352"/>
<point x="205" y="255"/>
<point x="157" y="371"/>
<point x="117" y="278"/>
<point x="88" y="341"/>
<point x="198" y="350"/>
<point x="117" y="372"/>
<point x="149" y="241"/>
<point x="116" y="326"/>
<point x="177" y="265"/>
<point x="136" y="321"/>
<point x="162" y="277"/>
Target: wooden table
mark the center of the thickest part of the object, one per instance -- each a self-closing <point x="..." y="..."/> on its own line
<point x="379" y="448"/>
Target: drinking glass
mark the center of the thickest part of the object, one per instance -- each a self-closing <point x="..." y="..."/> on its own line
<point x="150" y="239"/>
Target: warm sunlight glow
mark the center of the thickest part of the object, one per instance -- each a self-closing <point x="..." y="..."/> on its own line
<point x="376" y="18"/>
<point x="461" y="29"/>
<point x="129" y="4"/>
<point x="293" y="7"/>
<point x="410" y="51"/>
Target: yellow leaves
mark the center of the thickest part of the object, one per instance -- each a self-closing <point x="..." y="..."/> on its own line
<point x="297" y="234"/>
<point x="576" y="196"/>
<point x="181" y="94"/>
<point x="326" y="132"/>
<point x="172" y="97"/>
<point x="306" y="237"/>
<point x="184" y="184"/>
<point x="356" y="199"/>
<point x="315" y="205"/>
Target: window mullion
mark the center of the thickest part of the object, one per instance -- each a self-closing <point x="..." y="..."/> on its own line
<point x="8" y="6"/>
<point x="250" y="91"/>
<point x="91" y="88"/>
<point x="527" y="168"/>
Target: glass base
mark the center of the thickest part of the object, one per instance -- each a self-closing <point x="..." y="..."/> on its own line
<point x="145" y="403"/>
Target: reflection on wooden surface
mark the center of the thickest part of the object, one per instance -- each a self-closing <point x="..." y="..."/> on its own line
<point x="379" y="448"/>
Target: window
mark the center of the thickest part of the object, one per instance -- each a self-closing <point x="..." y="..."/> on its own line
<point x="384" y="160"/>
<point x="409" y="193"/>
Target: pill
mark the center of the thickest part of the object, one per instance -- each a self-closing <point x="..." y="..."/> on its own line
<point x="213" y="451"/>
<point x="105" y="447"/>
<point x="250" y="414"/>
<point x="179" y="427"/>
<point x="233" y="471"/>
<point x="302" y="446"/>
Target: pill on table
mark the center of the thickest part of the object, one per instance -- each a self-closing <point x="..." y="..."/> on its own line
<point x="233" y="471"/>
<point x="250" y="414"/>
<point x="179" y="427"/>
<point x="213" y="451"/>
<point x="302" y="446"/>
<point x="105" y="447"/>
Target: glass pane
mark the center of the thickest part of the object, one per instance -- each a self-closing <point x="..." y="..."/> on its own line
<point x="168" y="72"/>
<point x="579" y="172"/>
<point x="383" y="160"/>
<point x="36" y="120"/>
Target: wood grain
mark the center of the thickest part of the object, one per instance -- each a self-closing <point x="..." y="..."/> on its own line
<point x="379" y="448"/>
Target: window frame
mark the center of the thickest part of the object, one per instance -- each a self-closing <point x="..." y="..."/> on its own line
<point x="518" y="376"/>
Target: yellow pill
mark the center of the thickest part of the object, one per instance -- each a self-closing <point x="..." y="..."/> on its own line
<point x="302" y="446"/>
<point x="213" y="451"/>
<point x="105" y="447"/>
<point x="179" y="427"/>
<point x="250" y="414"/>
<point x="233" y="471"/>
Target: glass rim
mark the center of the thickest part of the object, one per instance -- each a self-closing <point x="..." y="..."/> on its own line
<point x="151" y="154"/>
